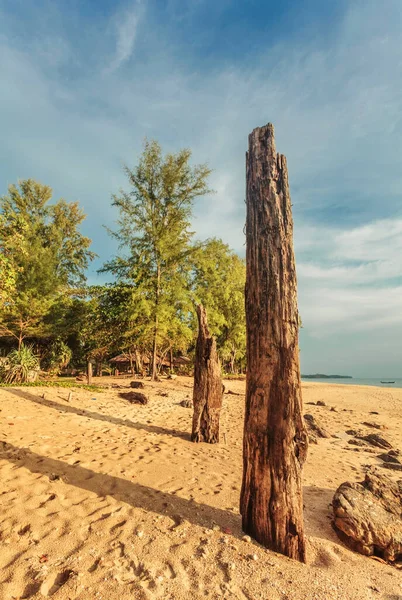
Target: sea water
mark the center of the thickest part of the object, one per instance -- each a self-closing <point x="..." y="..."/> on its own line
<point x="357" y="381"/>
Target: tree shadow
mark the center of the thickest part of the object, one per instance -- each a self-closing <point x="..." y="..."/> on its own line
<point x="98" y="416"/>
<point x="134" y="494"/>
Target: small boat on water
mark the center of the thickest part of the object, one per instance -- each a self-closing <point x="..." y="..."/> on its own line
<point x="387" y="381"/>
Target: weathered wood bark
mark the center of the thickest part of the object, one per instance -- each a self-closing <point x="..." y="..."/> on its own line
<point x="207" y="395"/>
<point x="89" y="373"/>
<point x="275" y="440"/>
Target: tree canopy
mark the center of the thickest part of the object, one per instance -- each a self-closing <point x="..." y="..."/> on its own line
<point x="44" y="253"/>
<point x="155" y="235"/>
<point x="159" y="275"/>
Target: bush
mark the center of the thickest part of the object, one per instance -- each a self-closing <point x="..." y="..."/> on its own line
<point x="57" y="357"/>
<point x="20" y="366"/>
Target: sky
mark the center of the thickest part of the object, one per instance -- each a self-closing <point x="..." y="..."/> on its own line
<point x="83" y="82"/>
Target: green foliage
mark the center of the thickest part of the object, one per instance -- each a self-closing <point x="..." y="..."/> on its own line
<point x="56" y="384"/>
<point x="44" y="252"/>
<point x="57" y="356"/>
<point x="219" y="278"/>
<point x="154" y="232"/>
<point x="19" y="365"/>
<point x="8" y="277"/>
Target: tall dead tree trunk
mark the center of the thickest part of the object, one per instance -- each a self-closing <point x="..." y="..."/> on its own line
<point x="275" y="440"/>
<point x="207" y="396"/>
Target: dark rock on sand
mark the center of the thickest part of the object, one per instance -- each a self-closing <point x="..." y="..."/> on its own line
<point x="368" y="515"/>
<point x="137" y="385"/>
<point x="314" y="428"/>
<point x="134" y="397"/>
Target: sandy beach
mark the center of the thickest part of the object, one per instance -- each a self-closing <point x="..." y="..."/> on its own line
<point x="101" y="499"/>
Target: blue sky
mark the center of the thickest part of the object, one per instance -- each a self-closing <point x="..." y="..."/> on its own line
<point x="84" y="81"/>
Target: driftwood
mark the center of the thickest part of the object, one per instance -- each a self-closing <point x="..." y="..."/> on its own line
<point x="275" y="439"/>
<point x="134" y="397"/>
<point x="207" y="395"/>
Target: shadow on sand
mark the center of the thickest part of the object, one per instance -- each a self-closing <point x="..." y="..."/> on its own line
<point x="98" y="416"/>
<point x="135" y="494"/>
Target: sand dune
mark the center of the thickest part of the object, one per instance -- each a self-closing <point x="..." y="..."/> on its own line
<point x="101" y="499"/>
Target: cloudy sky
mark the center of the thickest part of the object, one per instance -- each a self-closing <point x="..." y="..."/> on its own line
<point x="83" y="82"/>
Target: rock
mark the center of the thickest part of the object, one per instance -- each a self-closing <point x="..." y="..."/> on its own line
<point x="352" y="432"/>
<point x="374" y="412"/>
<point x="392" y="466"/>
<point x="373" y="425"/>
<point x="333" y="409"/>
<point x="389" y="458"/>
<point x="246" y="538"/>
<point x="187" y="403"/>
<point x="94" y="565"/>
<point x="321" y="403"/>
<point x="137" y="385"/>
<point x="376" y="440"/>
<point x="172" y="376"/>
<point x="368" y="515"/>
<point x="134" y="397"/>
<point x="314" y="428"/>
<point x="54" y="582"/>
<point x="356" y="442"/>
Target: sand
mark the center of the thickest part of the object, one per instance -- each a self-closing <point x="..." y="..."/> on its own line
<point x="101" y="499"/>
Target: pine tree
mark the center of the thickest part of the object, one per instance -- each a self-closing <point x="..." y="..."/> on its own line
<point x="154" y="230"/>
<point x="219" y="277"/>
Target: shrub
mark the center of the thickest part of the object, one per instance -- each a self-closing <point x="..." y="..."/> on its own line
<point x="57" y="357"/>
<point x="19" y="366"/>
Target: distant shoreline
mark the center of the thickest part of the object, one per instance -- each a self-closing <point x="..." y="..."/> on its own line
<point x="321" y="376"/>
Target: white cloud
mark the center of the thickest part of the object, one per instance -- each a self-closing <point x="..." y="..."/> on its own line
<point x="353" y="282"/>
<point x="127" y="23"/>
<point x="336" y="111"/>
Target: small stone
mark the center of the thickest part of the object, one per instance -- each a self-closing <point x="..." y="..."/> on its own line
<point x="246" y="538"/>
<point x="321" y="403"/>
<point x="215" y="527"/>
<point x="254" y="556"/>
<point x="232" y="566"/>
<point x="139" y="533"/>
